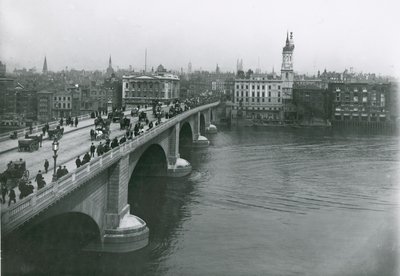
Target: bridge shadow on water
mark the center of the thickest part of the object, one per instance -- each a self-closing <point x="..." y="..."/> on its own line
<point x="54" y="247"/>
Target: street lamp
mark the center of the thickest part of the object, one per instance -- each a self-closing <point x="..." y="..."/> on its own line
<point x="55" y="149"/>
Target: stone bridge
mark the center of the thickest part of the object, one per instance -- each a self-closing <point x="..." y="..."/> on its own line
<point x="98" y="191"/>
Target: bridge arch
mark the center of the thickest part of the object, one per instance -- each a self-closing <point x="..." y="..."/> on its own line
<point x="72" y="229"/>
<point x="152" y="162"/>
<point x="202" y="125"/>
<point x="185" y="137"/>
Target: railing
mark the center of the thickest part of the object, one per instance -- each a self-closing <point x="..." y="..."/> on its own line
<point x="32" y="205"/>
<point x="37" y="128"/>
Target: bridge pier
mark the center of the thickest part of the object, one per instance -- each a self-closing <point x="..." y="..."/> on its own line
<point x="177" y="167"/>
<point x="122" y="232"/>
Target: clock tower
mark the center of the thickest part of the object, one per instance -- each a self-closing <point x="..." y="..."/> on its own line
<point x="287" y="74"/>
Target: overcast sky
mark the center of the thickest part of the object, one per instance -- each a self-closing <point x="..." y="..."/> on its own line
<point x="82" y="34"/>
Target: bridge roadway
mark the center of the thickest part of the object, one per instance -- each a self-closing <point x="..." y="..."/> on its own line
<point x="75" y="142"/>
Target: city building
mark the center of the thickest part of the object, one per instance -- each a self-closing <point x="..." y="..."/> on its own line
<point x="360" y="101"/>
<point x="262" y="96"/>
<point x="311" y="99"/>
<point x="143" y="89"/>
<point x="45" y="104"/>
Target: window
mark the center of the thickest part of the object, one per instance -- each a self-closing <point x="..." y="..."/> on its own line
<point x="242" y="86"/>
<point x="269" y="100"/>
<point x="263" y="94"/>
<point x="279" y="100"/>
<point x="269" y="86"/>
<point x="237" y="86"/>
<point x="247" y="87"/>
<point x="279" y="87"/>
<point x="126" y="85"/>
<point x="68" y="105"/>
<point x="287" y="75"/>
<point x="269" y="94"/>
<point x="263" y="87"/>
<point x="258" y="87"/>
<point x="279" y="94"/>
<point x="252" y="87"/>
<point x="55" y="98"/>
<point x="252" y="94"/>
<point x="59" y="98"/>
<point x="69" y="98"/>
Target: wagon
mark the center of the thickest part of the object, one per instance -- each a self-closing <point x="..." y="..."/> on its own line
<point x="15" y="174"/>
<point x="31" y="143"/>
<point x="56" y="133"/>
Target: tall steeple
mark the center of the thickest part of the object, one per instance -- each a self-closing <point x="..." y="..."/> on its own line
<point x="109" y="70"/>
<point x="45" y="66"/>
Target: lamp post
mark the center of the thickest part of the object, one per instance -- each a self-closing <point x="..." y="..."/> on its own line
<point x="55" y="149"/>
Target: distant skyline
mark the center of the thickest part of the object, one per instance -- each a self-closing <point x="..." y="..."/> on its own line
<point x="83" y="34"/>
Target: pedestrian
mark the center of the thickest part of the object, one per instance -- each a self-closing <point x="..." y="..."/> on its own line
<point x="78" y="162"/>
<point x="29" y="188"/>
<point x="4" y="192"/>
<point x="41" y="184"/>
<point x="76" y="121"/>
<point x="30" y="129"/>
<point x="46" y="165"/>
<point x="64" y="171"/>
<point x="39" y="176"/>
<point x="59" y="172"/>
<point x="44" y="130"/>
<point x="47" y="127"/>
<point x="99" y="149"/>
<point x="93" y="149"/>
<point x="11" y="197"/>
<point x="86" y="158"/>
<point x="40" y="140"/>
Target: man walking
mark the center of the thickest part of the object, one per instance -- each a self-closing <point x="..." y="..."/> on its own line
<point x="39" y="177"/>
<point x="11" y="197"/>
<point x="46" y="165"/>
<point x="92" y="150"/>
<point x="76" y="121"/>
<point x="40" y="140"/>
<point x="78" y="162"/>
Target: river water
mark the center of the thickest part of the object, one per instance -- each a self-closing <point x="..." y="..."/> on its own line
<point x="268" y="201"/>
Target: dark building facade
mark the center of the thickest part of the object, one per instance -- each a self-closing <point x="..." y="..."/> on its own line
<point x="360" y="101"/>
<point x="312" y="100"/>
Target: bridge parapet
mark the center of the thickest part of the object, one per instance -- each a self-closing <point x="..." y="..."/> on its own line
<point x="35" y="203"/>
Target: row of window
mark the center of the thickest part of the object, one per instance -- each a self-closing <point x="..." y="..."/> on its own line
<point x="246" y="86"/>
<point x="258" y="100"/>
<point x="253" y="94"/>
<point x="261" y="108"/>
<point x="63" y="98"/>
<point x="63" y="105"/>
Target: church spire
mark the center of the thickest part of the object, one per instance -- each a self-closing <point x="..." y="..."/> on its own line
<point x="109" y="62"/>
<point x="287" y="38"/>
<point x="44" y="65"/>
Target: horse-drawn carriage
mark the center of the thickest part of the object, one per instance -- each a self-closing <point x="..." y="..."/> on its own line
<point x="100" y="133"/>
<point x="116" y="116"/>
<point x="56" y="133"/>
<point x="29" y="143"/>
<point x="142" y="116"/>
<point x="15" y="174"/>
<point x="102" y="129"/>
<point x="124" y="123"/>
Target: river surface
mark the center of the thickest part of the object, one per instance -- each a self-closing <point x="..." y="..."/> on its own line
<point x="268" y="201"/>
